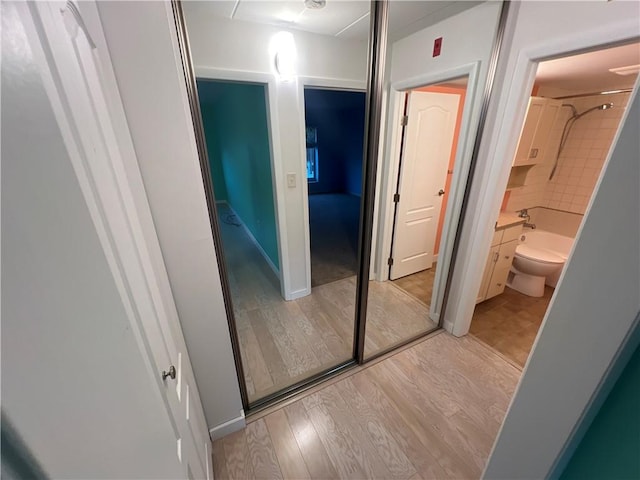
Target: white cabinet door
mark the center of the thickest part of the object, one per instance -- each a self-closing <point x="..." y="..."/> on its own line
<point x="78" y="83"/>
<point x="428" y="142"/>
<point x="532" y="118"/>
<point x="541" y="139"/>
<point x="488" y="271"/>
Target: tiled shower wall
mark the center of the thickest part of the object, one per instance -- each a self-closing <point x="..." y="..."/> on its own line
<point x="581" y="160"/>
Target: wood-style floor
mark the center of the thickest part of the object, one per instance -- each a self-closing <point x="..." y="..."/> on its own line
<point x="510" y="322"/>
<point x="431" y="411"/>
<point x="419" y="285"/>
<point x="281" y="342"/>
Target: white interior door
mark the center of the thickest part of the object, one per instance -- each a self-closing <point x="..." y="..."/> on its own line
<point x="428" y="139"/>
<point x="79" y="85"/>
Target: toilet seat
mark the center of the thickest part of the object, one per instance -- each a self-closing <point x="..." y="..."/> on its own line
<point x="539" y="255"/>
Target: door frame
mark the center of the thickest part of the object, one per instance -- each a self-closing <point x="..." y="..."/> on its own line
<point x="277" y="171"/>
<point x="463" y="160"/>
<point x="319" y="83"/>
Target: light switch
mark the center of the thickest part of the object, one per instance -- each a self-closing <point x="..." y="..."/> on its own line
<point x="291" y="180"/>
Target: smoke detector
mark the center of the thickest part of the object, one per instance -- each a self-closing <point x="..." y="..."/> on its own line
<point x="315" y="4"/>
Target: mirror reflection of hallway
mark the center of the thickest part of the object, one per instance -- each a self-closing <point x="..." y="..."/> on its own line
<point x="429" y="144"/>
<point x="334" y="139"/>
<point x="434" y="117"/>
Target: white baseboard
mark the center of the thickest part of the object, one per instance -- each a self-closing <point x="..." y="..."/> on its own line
<point x="448" y="326"/>
<point x="253" y="239"/>
<point x="226" y="428"/>
<point x="298" y="294"/>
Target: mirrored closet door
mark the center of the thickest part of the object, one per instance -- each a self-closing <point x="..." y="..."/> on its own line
<point x="281" y="90"/>
<point x="335" y="250"/>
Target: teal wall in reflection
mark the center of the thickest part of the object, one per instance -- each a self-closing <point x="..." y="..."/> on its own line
<point x="237" y="136"/>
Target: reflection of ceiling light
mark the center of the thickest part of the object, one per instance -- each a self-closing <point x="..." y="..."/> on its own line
<point x="315" y="4"/>
<point x="628" y="70"/>
<point x="283" y="49"/>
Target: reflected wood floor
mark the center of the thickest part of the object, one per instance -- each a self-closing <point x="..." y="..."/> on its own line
<point x="431" y="411"/>
<point x="283" y="342"/>
<point x="418" y="285"/>
<point x="510" y="322"/>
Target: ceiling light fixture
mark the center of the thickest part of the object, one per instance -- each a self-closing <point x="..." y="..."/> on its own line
<point x="628" y="70"/>
<point x="315" y="4"/>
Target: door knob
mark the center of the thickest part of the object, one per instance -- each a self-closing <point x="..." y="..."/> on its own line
<point x="171" y="373"/>
<point x="441" y="192"/>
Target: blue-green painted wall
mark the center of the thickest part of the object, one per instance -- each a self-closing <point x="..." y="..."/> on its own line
<point x="237" y="135"/>
<point x="610" y="448"/>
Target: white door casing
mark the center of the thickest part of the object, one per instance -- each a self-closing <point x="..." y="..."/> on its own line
<point x="77" y="87"/>
<point x="427" y="148"/>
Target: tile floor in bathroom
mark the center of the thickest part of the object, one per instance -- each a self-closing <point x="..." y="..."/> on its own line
<point x="510" y="322"/>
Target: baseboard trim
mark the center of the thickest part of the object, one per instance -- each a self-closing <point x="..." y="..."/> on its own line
<point x="255" y="242"/>
<point x="298" y="294"/>
<point x="226" y="428"/>
<point x="448" y="326"/>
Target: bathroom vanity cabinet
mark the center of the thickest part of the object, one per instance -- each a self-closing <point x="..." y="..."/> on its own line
<point x="496" y="270"/>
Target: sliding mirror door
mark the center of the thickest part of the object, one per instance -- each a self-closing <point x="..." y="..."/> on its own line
<point x="438" y="60"/>
<point x="281" y="89"/>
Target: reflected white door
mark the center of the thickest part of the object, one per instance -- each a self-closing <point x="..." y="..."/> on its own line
<point x="428" y="139"/>
<point x="79" y="84"/>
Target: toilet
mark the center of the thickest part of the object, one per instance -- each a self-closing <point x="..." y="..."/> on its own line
<point x="532" y="268"/>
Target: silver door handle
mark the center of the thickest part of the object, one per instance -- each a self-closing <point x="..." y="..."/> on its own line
<point x="441" y="192"/>
<point x="171" y="373"/>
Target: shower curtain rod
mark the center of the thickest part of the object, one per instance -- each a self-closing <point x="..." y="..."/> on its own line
<point x="606" y="92"/>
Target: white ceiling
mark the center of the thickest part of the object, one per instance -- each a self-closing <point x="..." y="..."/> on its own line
<point x="347" y="19"/>
<point x="589" y="72"/>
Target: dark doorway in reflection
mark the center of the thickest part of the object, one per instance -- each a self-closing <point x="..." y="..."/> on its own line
<point x="334" y="135"/>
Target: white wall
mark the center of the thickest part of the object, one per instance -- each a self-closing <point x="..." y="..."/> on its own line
<point x="585" y="326"/>
<point x="75" y="384"/>
<point x="468" y="39"/>
<point x="241" y="49"/>
<point x="537" y="30"/>
<point x="156" y="106"/>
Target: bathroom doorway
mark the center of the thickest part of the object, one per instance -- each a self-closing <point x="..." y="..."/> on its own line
<point x="574" y="112"/>
<point x="427" y="159"/>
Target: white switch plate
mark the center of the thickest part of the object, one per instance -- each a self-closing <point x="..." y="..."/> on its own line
<point x="291" y="180"/>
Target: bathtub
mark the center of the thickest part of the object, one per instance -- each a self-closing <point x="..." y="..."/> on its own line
<point x="548" y="242"/>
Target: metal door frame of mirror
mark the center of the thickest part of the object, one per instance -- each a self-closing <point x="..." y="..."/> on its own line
<point x="373" y="114"/>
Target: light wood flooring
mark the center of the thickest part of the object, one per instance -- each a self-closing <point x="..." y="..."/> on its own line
<point x="282" y="343"/>
<point x="431" y="411"/>
<point x="510" y="322"/>
<point x="418" y="285"/>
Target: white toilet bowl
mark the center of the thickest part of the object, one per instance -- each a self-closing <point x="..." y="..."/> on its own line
<point x="532" y="268"/>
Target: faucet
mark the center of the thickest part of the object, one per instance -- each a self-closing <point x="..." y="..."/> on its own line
<point x="524" y="213"/>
